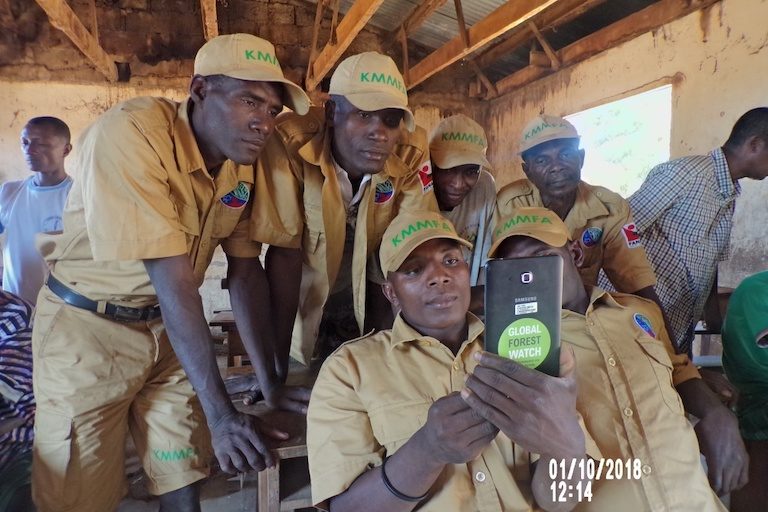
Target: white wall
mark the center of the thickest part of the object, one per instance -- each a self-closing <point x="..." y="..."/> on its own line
<point x="718" y="63"/>
<point x="78" y="105"/>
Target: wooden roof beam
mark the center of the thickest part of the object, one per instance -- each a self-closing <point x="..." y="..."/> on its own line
<point x="420" y="14"/>
<point x="504" y="18"/>
<point x="560" y="13"/>
<point x="553" y="60"/>
<point x="210" y="19"/>
<point x="353" y="22"/>
<point x="64" y="18"/>
<point x="650" y="18"/>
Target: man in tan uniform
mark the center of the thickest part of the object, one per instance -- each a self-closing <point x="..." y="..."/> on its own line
<point x="599" y="219"/>
<point x="343" y="173"/>
<point x="161" y="185"/>
<point x="419" y="416"/>
<point x="626" y="369"/>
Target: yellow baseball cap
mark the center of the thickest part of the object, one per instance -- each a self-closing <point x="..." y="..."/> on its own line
<point x="545" y="128"/>
<point x="409" y="230"/>
<point x="458" y="140"/>
<point x="371" y="81"/>
<point x="535" y="222"/>
<point x="247" y="57"/>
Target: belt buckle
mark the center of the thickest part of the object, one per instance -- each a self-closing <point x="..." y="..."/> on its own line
<point x="126" y="314"/>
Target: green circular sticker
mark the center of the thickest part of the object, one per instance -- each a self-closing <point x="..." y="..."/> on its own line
<point x="526" y="341"/>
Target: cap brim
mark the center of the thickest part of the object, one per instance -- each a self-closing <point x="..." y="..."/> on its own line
<point x="451" y="159"/>
<point x="296" y="99"/>
<point x="551" y="239"/>
<point x="407" y="250"/>
<point x="370" y="102"/>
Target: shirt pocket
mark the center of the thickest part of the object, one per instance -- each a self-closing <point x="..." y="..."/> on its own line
<point x="225" y="220"/>
<point x="661" y="365"/>
<point x="393" y="425"/>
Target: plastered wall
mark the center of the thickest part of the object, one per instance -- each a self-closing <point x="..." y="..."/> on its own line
<point x="716" y="59"/>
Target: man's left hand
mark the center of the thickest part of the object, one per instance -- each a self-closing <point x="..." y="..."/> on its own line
<point x="535" y="410"/>
<point x="288" y="398"/>
<point x="721" y="444"/>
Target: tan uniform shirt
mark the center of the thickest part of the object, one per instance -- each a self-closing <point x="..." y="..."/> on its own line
<point x="374" y="393"/>
<point x="308" y="210"/>
<point x="602" y="223"/>
<point x="144" y="192"/>
<point x="624" y="365"/>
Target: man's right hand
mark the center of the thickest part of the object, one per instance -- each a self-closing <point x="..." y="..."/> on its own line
<point x="454" y="433"/>
<point x="238" y="442"/>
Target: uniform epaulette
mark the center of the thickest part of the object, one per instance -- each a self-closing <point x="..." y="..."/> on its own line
<point x="517" y="188"/>
<point x="606" y="196"/>
<point x="301" y="129"/>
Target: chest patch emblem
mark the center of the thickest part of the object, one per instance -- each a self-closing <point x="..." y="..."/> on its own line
<point x="425" y="175"/>
<point x="591" y="236"/>
<point x="384" y="192"/>
<point x="642" y="322"/>
<point x="631" y="235"/>
<point x="238" y="197"/>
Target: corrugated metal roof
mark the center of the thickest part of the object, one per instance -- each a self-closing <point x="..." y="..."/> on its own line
<point x="442" y="26"/>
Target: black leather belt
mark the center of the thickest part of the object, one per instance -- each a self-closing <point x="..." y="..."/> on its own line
<point x="121" y="313"/>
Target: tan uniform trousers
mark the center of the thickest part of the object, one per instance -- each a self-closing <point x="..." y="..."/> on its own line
<point x="95" y="380"/>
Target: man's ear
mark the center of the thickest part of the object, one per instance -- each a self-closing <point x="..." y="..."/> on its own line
<point x="582" y="155"/>
<point x="198" y="88"/>
<point x="389" y="293"/>
<point x="577" y="253"/>
<point x="755" y="145"/>
<point x="67" y="149"/>
<point x="524" y="167"/>
<point x="330" y="110"/>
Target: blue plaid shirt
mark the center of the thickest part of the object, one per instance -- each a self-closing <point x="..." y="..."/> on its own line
<point x="684" y="212"/>
<point x="16" y="398"/>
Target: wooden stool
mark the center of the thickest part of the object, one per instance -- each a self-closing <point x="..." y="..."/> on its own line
<point x="285" y="486"/>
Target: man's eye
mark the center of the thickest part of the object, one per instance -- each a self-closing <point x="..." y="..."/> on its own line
<point x="540" y="161"/>
<point x="412" y="271"/>
<point x="249" y="102"/>
<point x="363" y="114"/>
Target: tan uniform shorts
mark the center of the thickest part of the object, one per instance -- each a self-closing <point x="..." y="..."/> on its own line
<point x="95" y="379"/>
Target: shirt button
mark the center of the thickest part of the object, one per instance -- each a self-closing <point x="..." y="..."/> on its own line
<point x="456" y="366"/>
<point x="628" y="411"/>
<point x="480" y="476"/>
<point x="646" y="469"/>
<point x="611" y="361"/>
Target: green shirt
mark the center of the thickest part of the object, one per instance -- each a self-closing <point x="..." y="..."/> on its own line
<point x="744" y="359"/>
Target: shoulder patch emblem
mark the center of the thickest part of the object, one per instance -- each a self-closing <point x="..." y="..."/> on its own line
<point x="642" y="322"/>
<point x="631" y="235"/>
<point x="238" y="198"/>
<point x="591" y="236"/>
<point x="384" y="192"/>
<point x="425" y="175"/>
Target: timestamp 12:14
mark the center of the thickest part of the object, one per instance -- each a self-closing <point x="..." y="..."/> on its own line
<point x="563" y="492"/>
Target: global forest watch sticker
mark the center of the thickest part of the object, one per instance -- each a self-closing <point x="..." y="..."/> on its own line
<point x="526" y="341"/>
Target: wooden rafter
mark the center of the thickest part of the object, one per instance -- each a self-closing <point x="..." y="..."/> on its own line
<point x="404" y="43"/>
<point x="561" y="12"/>
<point x="553" y="60"/>
<point x="353" y="22"/>
<point x="64" y="18"/>
<point x="420" y="14"/>
<point x="490" y="86"/>
<point x="650" y="18"/>
<point x="210" y="19"/>
<point x="462" y="24"/>
<point x="506" y="17"/>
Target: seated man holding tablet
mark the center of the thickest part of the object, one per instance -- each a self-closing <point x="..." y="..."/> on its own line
<point x="625" y="371"/>
<point x="420" y="416"/>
